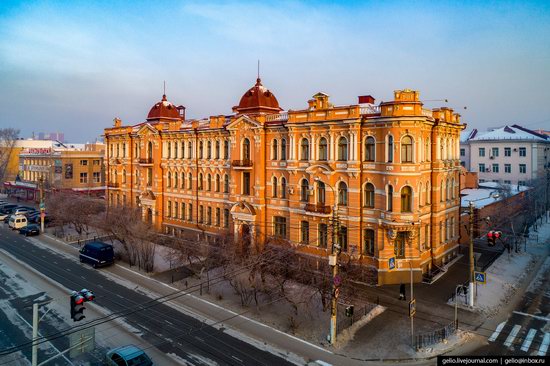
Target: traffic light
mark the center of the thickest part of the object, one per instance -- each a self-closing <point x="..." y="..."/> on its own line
<point x="497" y="236"/>
<point x="491" y="238"/>
<point x="349" y="311"/>
<point x="77" y="303"/>
<point x="77" y="306"/>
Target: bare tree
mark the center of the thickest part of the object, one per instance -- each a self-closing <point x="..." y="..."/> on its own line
<point x="8" y="138"/>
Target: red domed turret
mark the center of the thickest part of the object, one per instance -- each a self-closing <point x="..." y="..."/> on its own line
<point x="258" y="100"/>
<point x="165" y="110"/>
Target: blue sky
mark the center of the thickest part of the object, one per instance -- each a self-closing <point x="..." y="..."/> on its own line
<point x="71" y="66"/>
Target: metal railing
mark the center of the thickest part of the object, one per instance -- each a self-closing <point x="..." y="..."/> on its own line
<point x="277" y="117"/>
<point x="369" y="109"/>
<point x="317" y="207"/>
<point x="437" y="336"/>
<point x="358" y="313"/>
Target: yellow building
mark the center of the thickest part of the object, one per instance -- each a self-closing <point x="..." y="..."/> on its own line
<point x="64" y="167"/>
<point x="390" y="170"/>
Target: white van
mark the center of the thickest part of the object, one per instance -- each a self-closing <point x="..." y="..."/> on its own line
<point x="17" y="222"/>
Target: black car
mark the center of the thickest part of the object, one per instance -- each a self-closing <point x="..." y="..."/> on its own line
<point x="30" y="230"/>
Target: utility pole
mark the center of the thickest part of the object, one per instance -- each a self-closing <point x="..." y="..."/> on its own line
<point x="471" y="292"/>
<point x="333" y="262"/>
<point x="412" y="300"/>
<point x="34" y="334"/>
<point x="42" y="206"/>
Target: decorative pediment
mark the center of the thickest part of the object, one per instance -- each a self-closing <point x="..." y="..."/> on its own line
<point x="147" y="129"/>
<point x="317" y="169"/>
<point x="147" y="195"/>
<point x="245" y="123"/>
<point x="243" y="207"/>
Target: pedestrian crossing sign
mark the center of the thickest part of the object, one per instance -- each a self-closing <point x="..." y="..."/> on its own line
<point x="480" y="277"/>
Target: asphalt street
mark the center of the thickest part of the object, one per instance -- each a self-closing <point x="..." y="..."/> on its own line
<point x="161" y="325"/>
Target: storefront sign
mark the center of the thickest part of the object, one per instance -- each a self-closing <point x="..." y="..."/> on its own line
<point x="38" y="151"/>
<point x="38" y="168"/>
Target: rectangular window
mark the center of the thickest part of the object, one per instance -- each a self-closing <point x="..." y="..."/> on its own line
<point x="246" y="183"/>
<point x="322" y="235"/>
<point x="507" y="168"/>
<point x="83" y="177"/>
<point x="521" y="182"/>
<point x="190" y="216"/>
<point x="225" y="217"/>
<point x="494" y="151"/>
<point x="495" y="168"/>
<point x="201" y="214"/>
<point x="462" y="152"/>
<point x="96" y="162"/>
<point x="481" y="168"/>
<point x="176" y="209"/>
<point x="226" y="149"/>
<point x="399" y="246"/>
<point x="507" y="182"/>
<point x="183" y="212"/>
<point x="522" y="151"/>
<point x="218" y="216"/>
<point x="368" y="242"/>
<point x="304" y="232"/>
<point x="481" y="151"/>
<point x="523" y="168"/>
<point x="507" y="151"/>
<point x="169" y="209"/>
<point x="279" y="228"/>
<point x="343" y="238"/>
<point x="209" y="215"/>
<point x="83" y="162"/>
<point x="97" y="177"/>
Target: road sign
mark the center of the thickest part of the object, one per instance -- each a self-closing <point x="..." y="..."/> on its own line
<point x="480" y="277"/>
<point x="391" y="263"/>
<point x="82" y="341"/>
<point x="412" y="307"/>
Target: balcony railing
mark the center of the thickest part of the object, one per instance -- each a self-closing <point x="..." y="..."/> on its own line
<point x="113" y="185"/>
<point x="277" y="117"/>
<point x="146" y="161"/>
<point x="246" y="163"/>
<point x="370" y="109"/>
<point x="318" y="208"/>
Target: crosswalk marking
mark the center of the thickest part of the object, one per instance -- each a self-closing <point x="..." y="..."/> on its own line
<point x="544" y="345"/>
<point x="528" y="340"/>
<point x="497" y="331"/>
<point x="512" y="335"/>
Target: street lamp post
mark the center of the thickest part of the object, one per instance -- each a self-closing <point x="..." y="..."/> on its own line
<point x="42" y="207"/>
<point x="333" y="262"/>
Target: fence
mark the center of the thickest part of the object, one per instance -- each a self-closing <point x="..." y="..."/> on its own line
<point x="437" y="336"/>
<point x="347" y="321"/>
<point x="82" y="242"/>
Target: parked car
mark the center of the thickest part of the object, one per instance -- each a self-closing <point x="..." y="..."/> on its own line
<point x="30" y="230"/>
<point x="21" y="211"/>
<point x="127" y="356"/>
<point x="17" y="221"/>
<point x="97" y="254"/>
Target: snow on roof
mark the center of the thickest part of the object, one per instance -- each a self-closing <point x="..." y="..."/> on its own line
<point x="467" y="135"/>
<point x="513" y="132"/>
<point x="483" y="196"/>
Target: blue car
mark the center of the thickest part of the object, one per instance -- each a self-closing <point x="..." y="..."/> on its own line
<point x="127" y="356"/>
<point x="30" y="230"/>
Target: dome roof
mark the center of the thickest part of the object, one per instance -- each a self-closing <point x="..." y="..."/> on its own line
<point x="258" y="99"/>
<point x="165" y="110"/>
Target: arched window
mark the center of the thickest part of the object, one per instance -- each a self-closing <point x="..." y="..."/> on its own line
<point x="428" y="194"/>
<point x="427" y="152"/>
<point x="117" y="150"/>
<point x="321" y="193"/>
<point x="449" y="190"/>
<point x="123" y="149"/>
<point x="169" y="150"/>
<point x="176" y="180"/>
<point x="190" y="181"/>
<point x="209" y="150"/>
<point x="442" y="192"/>
<point x="136" y="150"/>
<point x="124" y="176"/>
<point x="169" y="180"/>
<point x="217" y="149"/>
<point x="390" y="149"/>
<point x="275" y="150"/>
<point x="283" y="149"/>
<point x="406" y="149"/>
<point x="406" y="199"/>
<point x="189" y="151"/>
<point x="150" y="150"/>
<point x="304" y="190"/>
<point x="226" y="183"/>
<point x="420" y="195"/>
<point x="283" y="187"/>
<point x="389" y="199"/>
<point x="304" y="144"/>
<point x="183" y="151"/>
<point x="201" y="149"/>
<point x="182" y="180"/>
<point x="323" y="149"/>
<point x="275" y="187"/>
<point x="369" y="148"/>
<point x="176" y="149"/>
<point x="246" y="149"/>
<point x="342" y="149"/>
<point x="176" y="207"/>
<point x="226" y="149"/>
<point x="217" y="182"/>
<point x="369" y="195"/>
<point x="209" y="182"/>
<point x="199" y="183"/>
<point x="342" y="194"/>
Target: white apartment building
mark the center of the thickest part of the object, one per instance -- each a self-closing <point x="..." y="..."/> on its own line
<point x="506" y="155"/>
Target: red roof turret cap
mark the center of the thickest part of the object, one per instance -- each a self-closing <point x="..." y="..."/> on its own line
<point x="163" y="109"/>
<point x="258" y="99"/>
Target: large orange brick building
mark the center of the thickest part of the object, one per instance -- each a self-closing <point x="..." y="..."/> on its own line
<point x="391" y="170"/>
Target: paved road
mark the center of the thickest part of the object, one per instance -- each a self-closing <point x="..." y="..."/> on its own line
<point x="527" y="330"/>
<point x="161" y="325"/>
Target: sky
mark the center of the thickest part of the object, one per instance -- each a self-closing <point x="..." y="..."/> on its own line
<point x="73" y="66"/>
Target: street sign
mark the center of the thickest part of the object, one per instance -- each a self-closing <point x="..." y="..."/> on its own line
<point x="82" y="341"/>
<point x="480" y="277"/>
<point x="412" y="307"/>
<point x="391" y="263"/>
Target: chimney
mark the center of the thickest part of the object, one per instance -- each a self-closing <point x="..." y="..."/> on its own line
<point x="366" y="99"/>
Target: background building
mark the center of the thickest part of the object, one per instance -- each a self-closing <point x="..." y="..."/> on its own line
<point x="507" y="155"/>
<point x="390" y="170"/>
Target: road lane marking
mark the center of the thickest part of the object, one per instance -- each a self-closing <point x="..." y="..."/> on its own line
<point x="497" y="331"/>
<point x="532" y="316"/>
<point x="512" y="335"/>
<point x="544" y="345"/>
<point x="236" y="358"/>
<point x="528" y="340"/>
